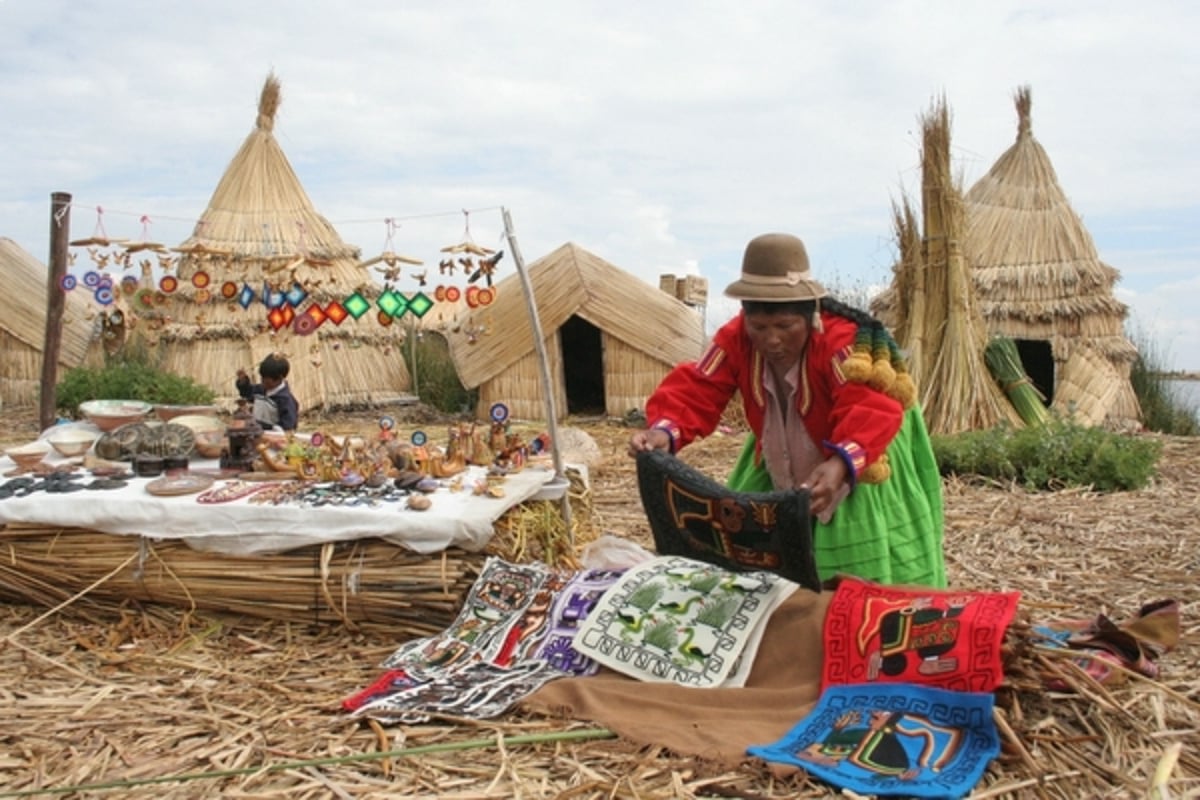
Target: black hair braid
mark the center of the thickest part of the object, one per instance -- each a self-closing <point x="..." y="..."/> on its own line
<point x="835" y="306"/>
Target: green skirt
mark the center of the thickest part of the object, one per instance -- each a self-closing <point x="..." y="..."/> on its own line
<point x="888" y="532"/>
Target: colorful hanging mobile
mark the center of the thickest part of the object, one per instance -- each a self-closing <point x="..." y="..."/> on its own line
<point x="390" y="259"/>
<point x="99" y="236"/>
<point x="144" y="243"/>
<point x="474" y="260"/>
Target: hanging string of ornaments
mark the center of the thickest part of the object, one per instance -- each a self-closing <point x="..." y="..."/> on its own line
<point x="132" y="280"/>
<point x="121" y="279"/>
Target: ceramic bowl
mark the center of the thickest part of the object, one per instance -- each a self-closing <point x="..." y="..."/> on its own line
<point x="71" y="442"/>
<point x="210" y="433"/>
<point x="26" y="456"/>
<point x="168" y="413"/>
<point x="108" y="415"/>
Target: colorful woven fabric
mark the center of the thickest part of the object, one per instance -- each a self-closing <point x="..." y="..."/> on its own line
<point x="476" y="690"/>
<point x="572" y="604"/>
<point x="889" y="532"/>
<point x="1103" y="645"/>
<point x="391" y="682"/>
<point x="514" y="633"/>
<point x="678" y="620"/>
<point x="891" y="634"/>
<point x="692" y="515"/>
<point x="498" y="616"/>
<point x="893" y="740"/>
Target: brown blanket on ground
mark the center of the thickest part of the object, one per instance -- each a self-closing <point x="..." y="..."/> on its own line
<point x="714" y="724"/>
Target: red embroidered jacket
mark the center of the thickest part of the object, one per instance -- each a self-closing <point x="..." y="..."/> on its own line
<point x="849" y="419"/>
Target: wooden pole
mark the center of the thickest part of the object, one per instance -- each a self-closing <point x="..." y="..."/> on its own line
<point x="60" y="235"/>
<point x="412" y="353"/>
<point x="544" y="363"/>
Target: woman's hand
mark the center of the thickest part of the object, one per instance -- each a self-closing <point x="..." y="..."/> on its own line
<point x="824" y="483"/>
<point x="649" y="439"/>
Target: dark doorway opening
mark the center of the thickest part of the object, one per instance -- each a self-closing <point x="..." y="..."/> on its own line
<point x="1038" y="360"/>
<point x="583" y="366"/>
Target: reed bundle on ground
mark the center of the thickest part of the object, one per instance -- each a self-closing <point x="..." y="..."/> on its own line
<point x="361" y="584"/>
<point x="1004" y="363"/>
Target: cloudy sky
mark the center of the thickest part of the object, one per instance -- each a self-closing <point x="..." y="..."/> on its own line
<point x="659" y="135"/>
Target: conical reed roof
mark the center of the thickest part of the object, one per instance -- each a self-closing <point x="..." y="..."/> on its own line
<point x="259" y="207"/>
<point x="261" y="236"/>
<point x="1036" y="266"/>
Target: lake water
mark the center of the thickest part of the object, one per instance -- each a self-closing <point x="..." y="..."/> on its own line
<point x="1188" y="393"/>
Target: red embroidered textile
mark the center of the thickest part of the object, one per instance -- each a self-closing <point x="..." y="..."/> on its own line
<point x="896" y="634"/>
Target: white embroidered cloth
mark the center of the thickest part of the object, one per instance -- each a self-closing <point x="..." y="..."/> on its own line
<point x="673" y="619"/>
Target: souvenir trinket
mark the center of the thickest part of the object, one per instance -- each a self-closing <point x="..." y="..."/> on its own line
<point x="243" y="433"/>
<point x="147" y="466"/>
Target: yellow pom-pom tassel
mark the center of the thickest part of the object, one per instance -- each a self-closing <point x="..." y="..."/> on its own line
<point x="857" y="368"/>
<point x="883" y="375"/>
<point x="904" y="390"/>
<point x="876" y="472"/>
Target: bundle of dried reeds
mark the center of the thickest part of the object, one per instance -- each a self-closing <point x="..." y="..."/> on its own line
<point x="537" y="530"/>
<point x="361" y="584"/>
<point x="956" y="394"/>
<point x="904" y="308"/>
<point x="1005" y="365"/>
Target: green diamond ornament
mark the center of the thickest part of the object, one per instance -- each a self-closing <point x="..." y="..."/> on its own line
<point x="392" y="303"/>
<point x="419" y="304"/>
<point x="357" y="305"/>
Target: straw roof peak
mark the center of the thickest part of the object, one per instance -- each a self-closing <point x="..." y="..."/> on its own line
<point x="268" y="103"/>
<point x="1024" y="101"/>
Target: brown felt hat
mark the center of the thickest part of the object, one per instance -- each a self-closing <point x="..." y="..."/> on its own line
<point x="775" y="270"/>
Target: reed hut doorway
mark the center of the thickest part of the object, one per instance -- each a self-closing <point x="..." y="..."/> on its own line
<point x="1037" y="357"/>
<point x="583" y="366"/>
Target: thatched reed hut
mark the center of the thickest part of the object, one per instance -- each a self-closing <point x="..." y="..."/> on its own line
<point x="23" y="328"/>
<point x="610" y="338"/>
<point x="264" y="272"/>
<point x="1041" y="282"/>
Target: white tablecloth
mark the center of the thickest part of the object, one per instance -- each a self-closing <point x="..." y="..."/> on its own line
<point x="458" y="519"/>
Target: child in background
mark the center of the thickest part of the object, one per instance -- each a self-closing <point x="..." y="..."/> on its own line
<point x="274" y="405"/>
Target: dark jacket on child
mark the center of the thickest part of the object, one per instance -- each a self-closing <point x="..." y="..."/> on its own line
<point x="278" y="408"/>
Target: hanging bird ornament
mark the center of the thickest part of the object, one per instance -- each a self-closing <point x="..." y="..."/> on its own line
<point x="486" y="267"/>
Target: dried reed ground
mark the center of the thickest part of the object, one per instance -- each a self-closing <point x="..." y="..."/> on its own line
<point x="156" y="702"/>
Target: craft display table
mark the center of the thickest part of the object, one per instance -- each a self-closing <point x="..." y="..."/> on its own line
<point x="248" y="526"/>
<point x="381" y="566"/>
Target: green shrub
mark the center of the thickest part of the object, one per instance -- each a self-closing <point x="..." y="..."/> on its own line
<point x="1161" y="411"/>
<point x="128" y="377"/>
<point x="1057" y="455"/>
<point x="427" y="356"/>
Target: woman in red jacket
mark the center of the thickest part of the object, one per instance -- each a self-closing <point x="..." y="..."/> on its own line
<point x="832" y="410"/>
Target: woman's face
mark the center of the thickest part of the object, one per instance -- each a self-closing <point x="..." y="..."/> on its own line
<point x="780" y="337"/>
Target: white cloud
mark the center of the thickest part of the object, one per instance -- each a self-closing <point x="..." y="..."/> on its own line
<point x="662" y="136"/>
